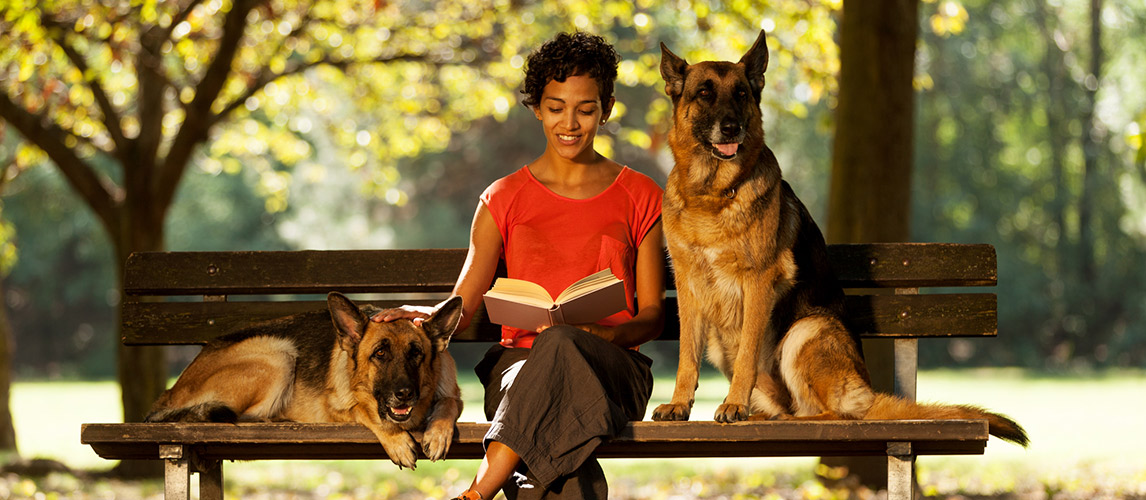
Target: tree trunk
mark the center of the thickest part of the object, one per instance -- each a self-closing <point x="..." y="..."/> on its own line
<point x="1058" y="124"/>
<point x="870" y="195"/>
<point x="7" y="429"/>
<point x="1061" y="99"/>
<point x="141" y="370"/>
<point x="1090" y="149"/>
<point x="1097" y="327"/>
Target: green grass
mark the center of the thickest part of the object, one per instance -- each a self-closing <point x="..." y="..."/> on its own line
<point x="1087" y="441"/>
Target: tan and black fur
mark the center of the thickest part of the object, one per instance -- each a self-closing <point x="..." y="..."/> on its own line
<point x="754" y="286"/>
<point x="395" y="378"/>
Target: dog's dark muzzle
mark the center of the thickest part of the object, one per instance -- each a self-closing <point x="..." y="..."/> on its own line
<point x="399" y="405"/>
<point x="724" y="143"/>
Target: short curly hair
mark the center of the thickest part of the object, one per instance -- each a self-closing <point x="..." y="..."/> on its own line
<point x="570" y="54"/>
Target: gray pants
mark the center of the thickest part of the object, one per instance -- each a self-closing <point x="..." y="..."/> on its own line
<point x="553" y="404"/>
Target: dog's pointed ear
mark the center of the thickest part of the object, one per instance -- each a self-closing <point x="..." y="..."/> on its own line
<point x="348" y="319"/>
<point x="672" y="70"/>
<point x="755" y="61"/>
<point x="441" y="324"/>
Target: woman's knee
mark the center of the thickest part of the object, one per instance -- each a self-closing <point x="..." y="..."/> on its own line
<point x="559" y="338"/>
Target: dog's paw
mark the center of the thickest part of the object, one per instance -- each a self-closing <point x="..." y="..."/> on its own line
<point x="436" y="440"/>
<point x="671" y="412"/>
<point x="728" y="413"/>
<point x="403" y="450"/>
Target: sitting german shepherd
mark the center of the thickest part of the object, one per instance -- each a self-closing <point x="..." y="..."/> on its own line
<point x="395" y="378"/>
<point x="753" y="281"/>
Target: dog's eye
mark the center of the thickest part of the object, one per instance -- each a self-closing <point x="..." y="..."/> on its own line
<point x="704" y="93"/>
<point x="414" y="354"/>
<point x="382" y="351"/>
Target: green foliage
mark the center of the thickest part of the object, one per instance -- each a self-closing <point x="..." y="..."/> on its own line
<point x="375" y="82"/>
<point x="8" y="256"/>
<point x="61" y="293"/>
<point x="1001" y="158"/>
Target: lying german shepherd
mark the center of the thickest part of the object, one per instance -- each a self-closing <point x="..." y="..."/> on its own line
<point x="753" y="281"/>
<point x="395" y="378"/>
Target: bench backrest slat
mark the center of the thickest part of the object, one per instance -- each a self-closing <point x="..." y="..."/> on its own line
<point x="385" y="271"/>
<point x="887" y="316"/>
<point x="229" y="290"/>
<point x="913" y="265"/>
<point x="292" y="272"/>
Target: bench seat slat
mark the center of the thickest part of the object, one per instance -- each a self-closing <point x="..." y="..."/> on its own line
<point x="257" y="441"/>
<point x="901" y="265"/>
<point x="890" y="316"/>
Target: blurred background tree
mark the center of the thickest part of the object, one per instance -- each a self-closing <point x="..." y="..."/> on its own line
<point x="200" y="125"/>
<point x="8" y="171"/>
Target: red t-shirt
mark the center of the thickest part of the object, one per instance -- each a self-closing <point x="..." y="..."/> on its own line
<point x="553" y="241"/>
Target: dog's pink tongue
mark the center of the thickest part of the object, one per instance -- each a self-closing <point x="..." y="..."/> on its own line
<point x="401" y="410"/>
<point x="727" y="149"/>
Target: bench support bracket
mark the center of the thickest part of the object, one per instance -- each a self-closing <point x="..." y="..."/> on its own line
<point x="177" y="468"/>
<point x="906" y="358"/>
<point x="176" y="471"/>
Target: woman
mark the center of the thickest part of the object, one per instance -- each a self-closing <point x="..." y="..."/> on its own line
<point x="553" y="396"/>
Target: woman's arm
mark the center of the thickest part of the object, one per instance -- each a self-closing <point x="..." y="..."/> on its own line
<point x="475" y="278"/>
<point x="649" y="321"/>
<point x="481" y="263"/>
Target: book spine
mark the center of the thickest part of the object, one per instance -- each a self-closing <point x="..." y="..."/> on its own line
<point x="556" y="317"/>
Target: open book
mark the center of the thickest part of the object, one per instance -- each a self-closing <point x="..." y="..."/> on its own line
<point x="527" y="305"/>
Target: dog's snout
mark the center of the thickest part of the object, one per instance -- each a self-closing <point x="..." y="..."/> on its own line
<point x="404" y="393"/>
<point x="730" y="129"/>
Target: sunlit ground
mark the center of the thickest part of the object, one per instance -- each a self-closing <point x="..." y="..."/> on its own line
<point x="1088" y="441"/>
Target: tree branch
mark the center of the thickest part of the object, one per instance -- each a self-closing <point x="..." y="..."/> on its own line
<point x="111" y="117"/>
<point x="198" y="120"/>
<point x="180" y="17"/>
<point x="99" y="193"/>
<point x="265" y="78"/>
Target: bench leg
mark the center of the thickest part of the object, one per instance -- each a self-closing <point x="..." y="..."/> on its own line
<point x="211" y="482"/>
<point x="176" y="472"/>
<point x="900" y="472"/>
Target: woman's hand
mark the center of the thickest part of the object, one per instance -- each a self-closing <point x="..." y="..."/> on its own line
<point x="417" y="314"/>
<point x="605" y="332"/>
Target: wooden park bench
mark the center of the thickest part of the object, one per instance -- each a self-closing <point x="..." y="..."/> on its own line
<point x="234" y="289"/>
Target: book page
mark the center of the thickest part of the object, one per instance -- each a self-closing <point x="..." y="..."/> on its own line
<point x="522" y="291"/>
<point x="588" y="284"/>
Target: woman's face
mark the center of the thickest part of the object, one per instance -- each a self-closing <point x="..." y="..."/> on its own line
<point x="570" y="114"/>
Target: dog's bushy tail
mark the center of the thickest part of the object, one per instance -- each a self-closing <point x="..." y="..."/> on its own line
<point x="211" y="411"/>
<point x="888" y="407"/>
